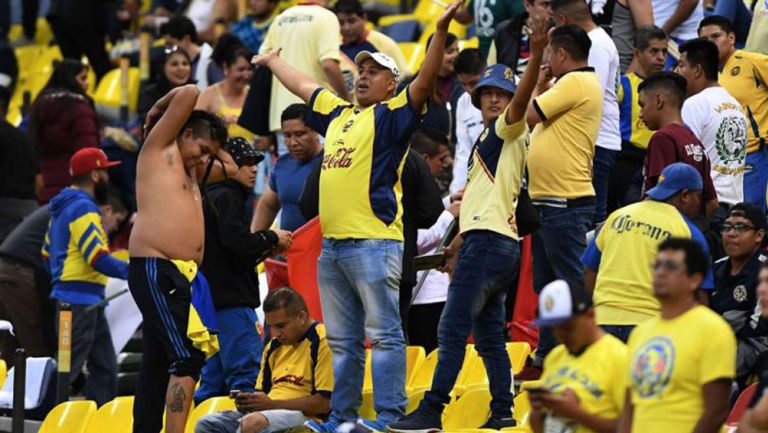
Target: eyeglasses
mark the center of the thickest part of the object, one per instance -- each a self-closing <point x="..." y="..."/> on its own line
<point x="739" y="227"/>
<point x="668" y="265"/>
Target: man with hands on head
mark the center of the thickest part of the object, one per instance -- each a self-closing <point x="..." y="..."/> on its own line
<point x="360" y="267"/>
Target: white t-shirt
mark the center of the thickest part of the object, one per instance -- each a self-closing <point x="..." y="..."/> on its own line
<point x="663" y="11"/>
<point x="604" y="57"/>
<point x="469" y="126"/>
<point x="717" y="120"/>
<point x="435" y="287"/>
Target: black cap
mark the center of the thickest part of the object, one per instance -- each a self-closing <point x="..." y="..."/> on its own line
<point x="243" y="152"/>
<point x="750" y="212"/>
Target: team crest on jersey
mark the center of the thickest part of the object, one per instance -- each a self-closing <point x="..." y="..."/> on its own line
<point x="652" y="366"/>
<point x="735" y="71"/>
<point x="740" y="293"/>
<point x="731" y="139"/>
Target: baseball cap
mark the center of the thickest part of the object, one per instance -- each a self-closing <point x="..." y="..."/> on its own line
<point x="380" y="58"/>
<point x="675" y="178"/>
<point x="89" y="159"/>
<point x="497" y="75"/>
<point x="243" y="152"/>
<point x="750" y="212"/>
<point x="561" y="301"/>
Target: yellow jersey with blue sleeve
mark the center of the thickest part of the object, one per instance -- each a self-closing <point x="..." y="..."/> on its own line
<point x="632" y="127"/>
<point x="293" y="371"/>
<point x="745" y="77"/>
<point x="670" y="362"/>
<point x="365" y="149"/>
<point x="76" y="249"/>
<point x="623" y="253"/>
<point x="563" y="143"/>
<point x="494" y="178"/>
<point x="598" y="377"/>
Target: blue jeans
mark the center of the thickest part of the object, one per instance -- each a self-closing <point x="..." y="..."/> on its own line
<point x="236" y="365"/>
<point x="359" y="283"/>
<point x="556" y="250"/>
<point x="619" y="331"/>
<point x="602" y="164"/>
<point x="476" y="296"/>
<point x="756" y="178"/>
<point x="229" y="421"/>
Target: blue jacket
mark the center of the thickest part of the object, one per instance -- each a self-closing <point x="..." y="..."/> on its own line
<point x="76" y="249"/>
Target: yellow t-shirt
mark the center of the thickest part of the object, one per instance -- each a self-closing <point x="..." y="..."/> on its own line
<point x="670" y="362"/>
<point x="289" y="372"/>
<point x="495" y="177"/>
<point x="563" y="143"/>
<point x="308" y="34"/>
<point x="633" y="129"/>
<point x="597" y="376"/>
<point x="233" y="129"/>
<point x="622" y="254"/>
<point x="365" y="150"/>
<point x="744" y="76"/>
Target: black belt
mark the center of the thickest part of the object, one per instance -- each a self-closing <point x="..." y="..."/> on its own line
<point x="565" y="202"/>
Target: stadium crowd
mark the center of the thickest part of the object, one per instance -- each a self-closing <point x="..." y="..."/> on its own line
<point x="604" y="160"/>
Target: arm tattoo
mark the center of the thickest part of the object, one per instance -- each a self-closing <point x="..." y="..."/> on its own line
<point x="178" y="397"/>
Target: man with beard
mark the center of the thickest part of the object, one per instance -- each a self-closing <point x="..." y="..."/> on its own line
<point x="76" y="253"/>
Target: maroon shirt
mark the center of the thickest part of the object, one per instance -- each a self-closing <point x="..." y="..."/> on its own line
<point x="676" y="143"/>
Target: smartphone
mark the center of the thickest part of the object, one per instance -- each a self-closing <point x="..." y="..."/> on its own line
<point x="428" y="261"/>
<point x="234" y="393"/>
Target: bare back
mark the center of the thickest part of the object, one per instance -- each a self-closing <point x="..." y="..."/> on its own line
<point x="169" y="222"/>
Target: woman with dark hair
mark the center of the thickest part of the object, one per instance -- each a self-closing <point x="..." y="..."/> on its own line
<point x="226" y="98"/>
<point x="176" y="71"/>
<point x="62" y="121"/>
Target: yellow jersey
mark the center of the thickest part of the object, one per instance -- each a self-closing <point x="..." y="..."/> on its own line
<point x="744" y="76"/>
<point x="494" y="178"/>
<point x="365" y="150"/>
<point x="622" y="254"/>
<point x="289" y="372"/>
<point x="670" y="362"/>
<point x="225" y="110"/>
<point x="597" y="376"/>
<point x="308" y="34"/>
<point x="563" y="143"/>
<point x="633" y="129"/>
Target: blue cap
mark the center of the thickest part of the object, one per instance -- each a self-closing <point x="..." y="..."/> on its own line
<point x="675" y="178"/>
<point x="497" y="75"/>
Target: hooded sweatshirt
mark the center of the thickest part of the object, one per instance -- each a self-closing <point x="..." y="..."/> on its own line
<point x="76" y="249"/>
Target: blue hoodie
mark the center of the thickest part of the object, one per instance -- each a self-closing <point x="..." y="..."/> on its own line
<point x="76" y="249"/>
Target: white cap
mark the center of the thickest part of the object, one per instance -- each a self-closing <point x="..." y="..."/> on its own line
<point x="380" y="58"/>
<point x="560" y="301"/>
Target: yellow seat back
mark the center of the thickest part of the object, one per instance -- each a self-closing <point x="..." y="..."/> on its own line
<point x="3" y="372"/>
<point x="114" y="417"/>
<point x="108" y="93"/>
<point x="470" y="411"/>
<point x="422" y="376"/>
<point x="414" y="357"/>
<point x="518" y="352"/>
<point x="210" y="406"/>
<point x="366" y="410"/>
<point x="522" y="408"/>
<point x="368" y="375"/>
<point x="427" y="11"/>
<point x="70" y="417"/>
<point x="414" y="399"/>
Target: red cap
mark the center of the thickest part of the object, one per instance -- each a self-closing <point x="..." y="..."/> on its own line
<point x="87" y="160"/>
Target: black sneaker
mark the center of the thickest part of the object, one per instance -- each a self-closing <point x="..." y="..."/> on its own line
<point x="499" y="423"/>
<point x="422" y="420"/>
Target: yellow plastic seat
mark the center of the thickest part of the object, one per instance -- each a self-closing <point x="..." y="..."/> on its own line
<point x="414" y="398"/>
<point x="470" y="411"/>
<point x="414" y="357"/>
<point x="518" y="352"/>
<point x="70" y="417"/>
<point x="3" y="372"/>
<point x="210" y="406"/>
<point x="522" y="409"/>
<point x="528" y="384"/>
<point x="413" y="53"/>
<point x="475" y="376"/>
<point x="25" y="56"/>
<point x="366" y="410"/>
<point x="368" y="375"/>
<point x="422" y="376"/>
<point x="114" y="417"/>
<point x="472" y="42"/>
<point x="108" y="93"/>
<point x="458" y="29"/>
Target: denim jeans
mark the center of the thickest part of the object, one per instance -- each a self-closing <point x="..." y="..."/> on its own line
<point x="556" y="250"/>
<point x="619" y="331"/>
<point x="229" y="421"/>
<point x="359" y="293"/>
<point x="602" y="164"/>
<point x="236" y="364"/>
<point x="756" y="178"/>
<point x="476" y="296"/>
<point x="92" y="344"/>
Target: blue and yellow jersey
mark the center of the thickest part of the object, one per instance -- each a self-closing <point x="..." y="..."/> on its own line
<point x="365" y="149"/>
<point x="294" y="371"/>
<point x="494" y="178"/>
<point x="745" y="77"/>
<point x="633" y="128"/>
<point x="623" y="253"/>
<point x="76" y="249"/>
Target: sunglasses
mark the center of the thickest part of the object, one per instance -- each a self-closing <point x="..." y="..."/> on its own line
<point x="667" y="265"/>
<point x="738" y="227"/>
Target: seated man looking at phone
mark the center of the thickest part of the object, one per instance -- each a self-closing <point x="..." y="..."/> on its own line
<point x="296" y="376"/>
<point x="583" y="379"/>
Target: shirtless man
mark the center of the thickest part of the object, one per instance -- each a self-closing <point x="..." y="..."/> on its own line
<point x="166" y="246"/>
